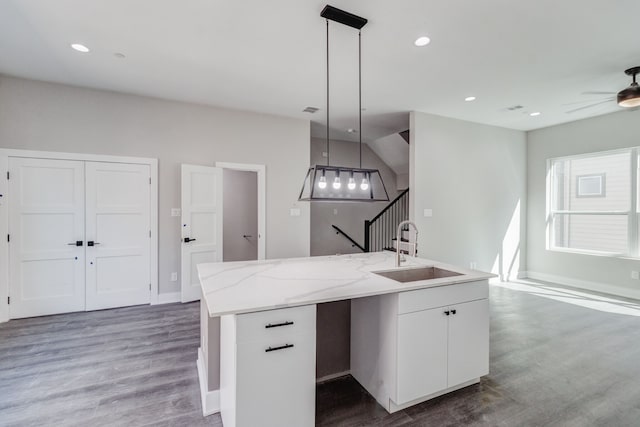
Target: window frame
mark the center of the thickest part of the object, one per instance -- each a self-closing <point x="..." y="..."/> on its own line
<point x="632" y="213"/>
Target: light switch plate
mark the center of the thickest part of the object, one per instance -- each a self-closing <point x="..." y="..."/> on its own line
<point x="174" y="276"/>
<point x="635" y="275"/>
<point x="294" y="212"/>
<point x="324" y="154"/>
<point x="428" y="213"/>
<point x="176" y="211"/>
<point x="335" y="211"/>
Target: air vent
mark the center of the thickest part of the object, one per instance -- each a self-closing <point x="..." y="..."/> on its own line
<point x="310" y="110"/>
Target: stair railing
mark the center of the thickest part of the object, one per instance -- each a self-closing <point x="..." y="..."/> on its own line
<point x="380" y="232"/>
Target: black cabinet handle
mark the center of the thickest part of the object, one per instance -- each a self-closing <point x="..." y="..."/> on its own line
<point x="453" y="312"/>
<point x="76" y="243"/>
<point x="187" y="240"/>
<point x="446" y="312"/>
<point x="277" y="325"/>
<point x="92" y="243"/>
<point x="282" y="347"/>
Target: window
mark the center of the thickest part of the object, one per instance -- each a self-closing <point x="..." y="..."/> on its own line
<point x="592" y="202"/>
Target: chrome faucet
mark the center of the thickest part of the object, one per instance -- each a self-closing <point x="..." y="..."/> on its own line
<point x="399" y="240"/>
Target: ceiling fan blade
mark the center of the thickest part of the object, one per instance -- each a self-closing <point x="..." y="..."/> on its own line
<point x="598" y="93"/>
<point x="584" y="101"/>
<point x="588" y="106"/>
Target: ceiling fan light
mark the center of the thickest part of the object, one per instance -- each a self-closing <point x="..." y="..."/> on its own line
<point x="629" y="97"/>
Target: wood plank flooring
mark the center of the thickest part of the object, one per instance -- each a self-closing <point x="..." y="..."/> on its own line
<point x="558" y="358"/>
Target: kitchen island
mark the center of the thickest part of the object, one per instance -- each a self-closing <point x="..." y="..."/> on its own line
<point x="411" y="340"/>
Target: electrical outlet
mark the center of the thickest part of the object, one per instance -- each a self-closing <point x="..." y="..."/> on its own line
<point x="294" y="212"/>
<point x="174" y="276"/>
<point x="473" y="265"/>
<point x="176" y="212"/>
<point x="324" y="154"/>
<point x="428" y="213"/>
<point x="335" y="211"/>
<point x="635" y="275"/>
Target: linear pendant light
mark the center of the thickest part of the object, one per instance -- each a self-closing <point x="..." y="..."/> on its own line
<point x="337" y="183"/>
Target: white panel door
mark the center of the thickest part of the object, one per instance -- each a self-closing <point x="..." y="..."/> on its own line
<point x="468" y="341"/>
<point x="118" y="235"/>
<point x="201" y="224"/>
<point x="422" y="354"/>
<point x="46" y="225"/>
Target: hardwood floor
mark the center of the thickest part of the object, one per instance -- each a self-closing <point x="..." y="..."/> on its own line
<point x="558" y="358"/>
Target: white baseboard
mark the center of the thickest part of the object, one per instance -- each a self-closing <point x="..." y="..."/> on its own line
<point x="168" y="297"/>
<point x="332" y="376"/>
<point x="604" y="288"/>
<point x="210" y="399"/>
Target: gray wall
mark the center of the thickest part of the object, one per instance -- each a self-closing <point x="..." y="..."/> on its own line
<point x="606" y="274"/>
<point x="53" y="117"/>
<point x="473" y="177"/>
<point x="240" y="206"/>
<point x="348" y="216"/>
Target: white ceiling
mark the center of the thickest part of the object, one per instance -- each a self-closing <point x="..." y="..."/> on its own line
<point x="268" y="56"/>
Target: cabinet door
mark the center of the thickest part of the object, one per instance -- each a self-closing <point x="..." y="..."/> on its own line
<point x="422" y="354"/>
<point x="276" y="382"/>
<point x="468" y="341"/>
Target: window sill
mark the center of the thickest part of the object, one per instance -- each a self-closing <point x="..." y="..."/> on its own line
<point x="595" y="253"/>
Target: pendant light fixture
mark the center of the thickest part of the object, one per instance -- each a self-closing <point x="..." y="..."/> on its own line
<point x="362" y="185"/>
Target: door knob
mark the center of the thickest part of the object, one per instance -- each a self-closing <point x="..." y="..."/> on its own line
<point x="92" y="243"/>
<point x="187" y="240"/>
<point x="76" y="243"/>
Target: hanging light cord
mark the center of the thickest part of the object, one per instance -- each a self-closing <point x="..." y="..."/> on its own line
<point x="360" y="92"/>
<point x="328" y="164"/>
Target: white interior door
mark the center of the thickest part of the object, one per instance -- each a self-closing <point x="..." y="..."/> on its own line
<point x="118" y="235"/>
<point x="201" y="224"/>
<point x="46" y="228"/>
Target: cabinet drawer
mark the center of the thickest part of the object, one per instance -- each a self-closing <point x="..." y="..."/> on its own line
<point x="276" y="388"/>
<point x="424" y="299"/>
<point x="275" y="325"/>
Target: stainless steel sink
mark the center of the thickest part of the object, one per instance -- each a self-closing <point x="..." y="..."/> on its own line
<point x="416" y="274"/>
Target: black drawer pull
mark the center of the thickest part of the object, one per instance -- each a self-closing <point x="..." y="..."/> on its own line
<point x="453" y="312"/>
<point x="282" y="347"/>
<point x="277" y="325"/>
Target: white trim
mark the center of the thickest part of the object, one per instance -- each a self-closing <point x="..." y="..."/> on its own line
<point x="4" y="245"/>
<point x="210" y="399"/>
<point x="5" y="153"/>
<point x="262" y="192"/>
<point x="604" y="288"/>
<point x="10" y="152"/>
<point x="393" y="407"/>
<point x="167" y="298"/>
<point x="332" y="376"/>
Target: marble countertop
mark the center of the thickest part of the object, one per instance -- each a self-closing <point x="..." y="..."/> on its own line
<point x="248" y="286"/>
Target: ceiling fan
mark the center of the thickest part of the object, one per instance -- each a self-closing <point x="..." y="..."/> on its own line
<point x="628" y="97"/>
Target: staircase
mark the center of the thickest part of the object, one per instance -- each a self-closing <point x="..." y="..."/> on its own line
<point x="380" y="232"/>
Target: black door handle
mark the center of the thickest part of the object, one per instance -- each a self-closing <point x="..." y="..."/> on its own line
<point x="77" y="243"/>
<point x="453" y="312"/>
<point x="446" y="312"/>
<point x="92" y="243"/>
<point x="187" y="240"/>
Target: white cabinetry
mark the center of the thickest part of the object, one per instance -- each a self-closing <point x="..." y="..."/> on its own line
<point x="412" y="346"/>
<point x="267" y="368"/>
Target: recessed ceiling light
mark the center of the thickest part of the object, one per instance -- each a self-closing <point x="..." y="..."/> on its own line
<point x="535" y="113"/>
<point x="80" y="47"/>
<point x="422" y="41"/>
<point x="470" y="98"/>
<point x="351" y="130"/>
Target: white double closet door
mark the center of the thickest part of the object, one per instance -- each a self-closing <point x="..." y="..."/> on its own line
<point x="79" y="236"/>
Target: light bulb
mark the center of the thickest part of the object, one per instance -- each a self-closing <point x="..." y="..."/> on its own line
<point x="336" y="183"/>
<point x="365" y="184"/>
<point x="352" y="184"/>
<point x="323" y="182"/>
